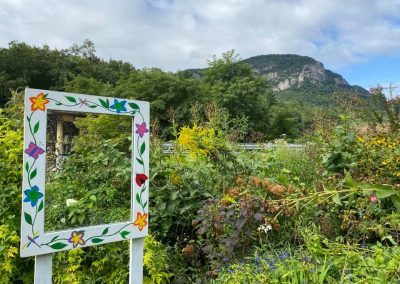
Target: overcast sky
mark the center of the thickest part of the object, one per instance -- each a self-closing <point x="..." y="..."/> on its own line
<point x="359" y="39"/>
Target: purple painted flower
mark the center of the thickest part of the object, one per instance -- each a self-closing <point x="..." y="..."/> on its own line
<point x="33" y="195"/>
<point x="76" y="239"/>
<point x="141" y="129"/>
<point x="34" y="150"/>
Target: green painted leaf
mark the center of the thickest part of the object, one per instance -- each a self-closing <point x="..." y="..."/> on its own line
<point x="105" y="231"/>
<point x="36" y="127"/>
<point x="58" y="246"/>
<point x="41" y="205"/>
<point x="145" y="204"/>
<point x="58" y="104"/>
<point x="71" y="99"/>
<point x="138" y="198"/>
<point x="97" y="240"/>
<point x="92" y="106"/>
<point x="140" y="161"/>
<point x="142" y="148"/>
<point x="33" y="174"/>
<point x="27" y="166"/>
<point x="28" y="218"/>
<point x="124" y="234"/>
<point x="28" y="118"/>
<point x="105" y="103"/>
<point x="134" y="106"/>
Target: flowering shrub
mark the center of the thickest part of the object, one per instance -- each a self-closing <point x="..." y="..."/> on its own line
<point x="319" y="261"/>
<point x="379" y="157"/>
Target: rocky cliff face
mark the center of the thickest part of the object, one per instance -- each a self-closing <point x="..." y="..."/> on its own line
<point x="286" y="71"/>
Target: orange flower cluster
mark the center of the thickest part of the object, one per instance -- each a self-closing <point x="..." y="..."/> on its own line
<point x="275" y="189"/>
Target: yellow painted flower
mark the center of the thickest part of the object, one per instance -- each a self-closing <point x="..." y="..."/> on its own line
<point x="76" y="239"/>
<point x="39" y="102"/>
<point x="141" y="221"/>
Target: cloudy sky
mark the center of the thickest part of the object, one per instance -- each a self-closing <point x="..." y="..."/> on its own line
<point x="359" y="39"/>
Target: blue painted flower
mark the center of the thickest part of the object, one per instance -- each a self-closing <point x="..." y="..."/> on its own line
<point x="33" y="195"/>
<point x="118" y="106"/>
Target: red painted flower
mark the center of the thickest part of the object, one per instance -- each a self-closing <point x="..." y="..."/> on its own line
<point x="141" y="179"/>
<point x="373" y="198"/>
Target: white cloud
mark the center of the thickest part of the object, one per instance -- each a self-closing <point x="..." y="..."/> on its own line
<point x="183" y="34"/>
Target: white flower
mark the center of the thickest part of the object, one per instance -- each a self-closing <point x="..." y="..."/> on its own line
<point x="265" y="228"/>
<point x="71" y="202"/>
<point x="63" y="220"/>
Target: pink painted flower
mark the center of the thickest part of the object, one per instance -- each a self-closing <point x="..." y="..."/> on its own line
<point x="141" y="129"/>
<point x="373" y="198"/>
<point x="34" y="150"/>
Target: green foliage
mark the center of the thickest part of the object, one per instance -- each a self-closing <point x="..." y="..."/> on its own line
<point x="319" y="261"/>
<point x="97" y="175"/>
<point x="156" y="262"/>
<point x="12" y="268"/>
<point x="340" y="148"/>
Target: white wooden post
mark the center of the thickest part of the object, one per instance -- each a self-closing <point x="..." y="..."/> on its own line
<point x="136" y="261"/>
<point x="43" y="268"/>
<point x="60" y="136"/>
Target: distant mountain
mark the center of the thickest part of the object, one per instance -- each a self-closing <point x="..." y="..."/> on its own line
<point x="298" y="78"/>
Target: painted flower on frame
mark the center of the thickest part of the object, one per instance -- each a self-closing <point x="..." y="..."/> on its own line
<point x="76" y="239"/>
<point x="141" y="179"/>
<point x="141" y="220"/>
<point x="141" y="129"/>
<point x="34" y="150"/>
<point x="33" y="195"/>
<point x="118" y="106"/>
<point x="39" y="102"/>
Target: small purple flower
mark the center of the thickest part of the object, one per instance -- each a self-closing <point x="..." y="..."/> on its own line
<point x="348" y="273"/>
<point x="33" y="195"/>
<point x="225" y="259"/>
<point x="284" y="256"/>
<point x="77" y="238"/>
<point x="308" y="258"/>
<point x="141" y="129"/>
<point x="271" y="265"/>
<point x="34" y="150"/>
<point x="312" y="270"/>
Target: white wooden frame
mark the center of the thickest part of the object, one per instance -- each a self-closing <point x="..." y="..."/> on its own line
<point x="34" y="240"/>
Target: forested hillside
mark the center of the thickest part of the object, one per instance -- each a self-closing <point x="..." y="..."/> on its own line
<point x="263" y="96"/>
